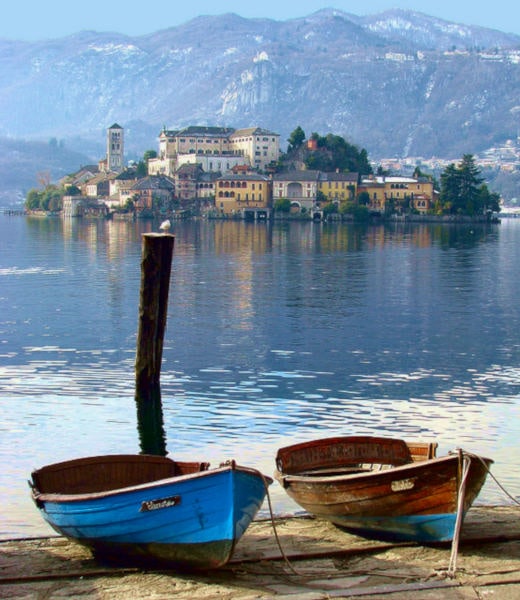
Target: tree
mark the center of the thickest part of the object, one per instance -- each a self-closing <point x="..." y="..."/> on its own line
<point x="418" y="174"/>
<point x="450" y="188"/>
<point x="330" y="208"/>
<point x="463" y="191"/>
<point x="321" y="198"/>
<point x="43" y="178"/>
<point x="282" y="205"/>
<point x="73" y="190"/>
<point x="363" y="198"/>
<point x="51" y="199"/>
<point x="296" y="139"/>
<point x="469" y="182"/>
<point x="334" y="153"/>
<point x="149" y="154"/>
<point x="490" y="200"/>
<point x="141" y="169"/>
<point x="32" y="201"/>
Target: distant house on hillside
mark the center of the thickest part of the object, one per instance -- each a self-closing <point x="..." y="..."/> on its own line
<point x="186" y="178"/>
<point x="213" y="147"/>
<point x="80" y="177"/>
<point x="99" y="185"/>
<point x="206" y="185"/>
<point x="152" y="193"/>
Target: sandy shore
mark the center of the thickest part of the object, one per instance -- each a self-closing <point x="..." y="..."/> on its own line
<point x="316" y="561"/>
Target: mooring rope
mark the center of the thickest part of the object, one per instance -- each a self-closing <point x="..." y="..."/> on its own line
<point x="287" y="562"/>
<point x="466" y="463"/>
<point x="493" y="477"/>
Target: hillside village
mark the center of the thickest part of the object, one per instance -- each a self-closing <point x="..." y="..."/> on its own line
<point x="226" y="173"/>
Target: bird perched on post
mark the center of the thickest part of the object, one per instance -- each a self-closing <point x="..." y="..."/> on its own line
<point x="165" y="226"/>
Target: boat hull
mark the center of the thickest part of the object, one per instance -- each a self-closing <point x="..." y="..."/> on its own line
<point x="192" y="520"/>
<point x="417" y="501"/>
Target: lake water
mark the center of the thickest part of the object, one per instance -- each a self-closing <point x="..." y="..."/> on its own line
<point x="276" y="333"/>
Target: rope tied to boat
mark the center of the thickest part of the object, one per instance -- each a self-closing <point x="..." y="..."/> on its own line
<point x="515" y="500"/>
<point x="465" y="461"/>
<point x="278" y="543"/>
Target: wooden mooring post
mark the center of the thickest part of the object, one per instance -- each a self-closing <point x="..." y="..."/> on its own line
<point x="157" y="253"/>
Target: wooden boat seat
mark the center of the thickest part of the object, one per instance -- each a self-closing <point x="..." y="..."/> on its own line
<point x="419" y="451"/>
<point x="104" y="473"/>
<point x="329" y="472"/>
<point x="422" y="450"/>
<point x="342" y="453"/>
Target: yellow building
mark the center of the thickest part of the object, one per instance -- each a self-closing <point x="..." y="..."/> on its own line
<point x="243" y="195"/>
<point x="338" y="187"/>
<point x="399" y="194"/>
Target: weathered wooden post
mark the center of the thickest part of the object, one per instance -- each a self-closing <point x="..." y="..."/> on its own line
<point x="157" y="252"/>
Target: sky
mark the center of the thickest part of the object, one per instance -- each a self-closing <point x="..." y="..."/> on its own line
<point x="33" y="20"/>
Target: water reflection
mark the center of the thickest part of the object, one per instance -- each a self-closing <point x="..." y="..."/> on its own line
<point x="276" y="333"/>
<point x="152" y="437"/>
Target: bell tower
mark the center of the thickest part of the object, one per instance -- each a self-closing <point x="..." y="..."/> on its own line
<point x="115" y="148"/>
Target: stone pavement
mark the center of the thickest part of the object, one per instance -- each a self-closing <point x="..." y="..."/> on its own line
<point x="318" y="562"/>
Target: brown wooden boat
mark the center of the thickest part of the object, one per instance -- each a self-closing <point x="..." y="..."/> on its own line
<point x="382" y="487"/>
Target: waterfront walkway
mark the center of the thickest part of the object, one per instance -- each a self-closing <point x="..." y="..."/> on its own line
<point x="319" y="562"/>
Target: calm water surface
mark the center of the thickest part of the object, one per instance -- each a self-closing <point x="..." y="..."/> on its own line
<point x="276" y="334"/>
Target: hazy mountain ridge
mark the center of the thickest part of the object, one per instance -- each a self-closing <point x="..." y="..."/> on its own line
<point x="397" y="83"/>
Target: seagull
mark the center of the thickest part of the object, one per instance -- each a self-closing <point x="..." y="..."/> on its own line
<point x="165" y="225"/>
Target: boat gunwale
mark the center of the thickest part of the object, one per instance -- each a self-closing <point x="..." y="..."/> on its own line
<point x="41" y="497"/>
<point x="373" y="474"/>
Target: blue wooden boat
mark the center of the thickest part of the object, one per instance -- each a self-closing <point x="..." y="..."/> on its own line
<point x="383" y="488"/>
<point x="150" y="508"/>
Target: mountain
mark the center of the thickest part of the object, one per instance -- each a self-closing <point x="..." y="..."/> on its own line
<point x="399" y="83"/>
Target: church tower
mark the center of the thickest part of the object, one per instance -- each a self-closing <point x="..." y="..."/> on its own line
<point x="115" y="148"/>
